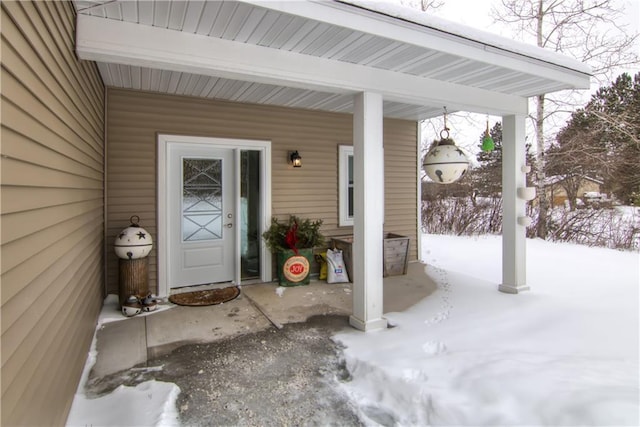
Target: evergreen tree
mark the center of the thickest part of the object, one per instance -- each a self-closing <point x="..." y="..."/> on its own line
<point x="590" y="31"/>
<point x="575" y="156"/>
<point x="487" y="178"/>
<point x="603" y="140"/>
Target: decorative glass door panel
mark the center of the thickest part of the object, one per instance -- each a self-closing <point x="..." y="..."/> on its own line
<point x="202" y="205"/>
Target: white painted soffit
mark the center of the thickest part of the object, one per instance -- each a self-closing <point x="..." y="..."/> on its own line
<point x="459" y="33"/>
<point x="406" y="25"/>
<point x="158" y="48"/>
<point x="274" y="53"/>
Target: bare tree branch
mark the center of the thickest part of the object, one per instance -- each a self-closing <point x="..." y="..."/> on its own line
<point x="423" y="5"/>
<point x="590" y="31"/>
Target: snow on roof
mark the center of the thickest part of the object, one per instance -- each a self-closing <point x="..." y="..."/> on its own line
<point x="463" y="31"/>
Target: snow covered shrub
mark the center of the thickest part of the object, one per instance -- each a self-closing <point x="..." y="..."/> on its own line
<point x="462" y="216"/>
<point x="617" y="228"/>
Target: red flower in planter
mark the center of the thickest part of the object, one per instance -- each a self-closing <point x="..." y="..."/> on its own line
<point x="294" y="234"/>
<point x="291" y="237"/>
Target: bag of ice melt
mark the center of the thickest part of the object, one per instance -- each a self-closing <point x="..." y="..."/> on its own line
<point x="321" y="259"/>
<point x="336" y="272"/>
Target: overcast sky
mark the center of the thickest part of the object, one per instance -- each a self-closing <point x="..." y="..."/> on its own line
<point x="472" y="13"/>
<point x="475" y="13"/>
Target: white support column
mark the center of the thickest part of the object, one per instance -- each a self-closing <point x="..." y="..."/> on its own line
<point x="419" y="185"/>
<point x="368" y="168"/>
<point x="514" y="273"/>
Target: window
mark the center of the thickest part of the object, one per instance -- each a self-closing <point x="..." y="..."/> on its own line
<point x="345" y="183"/>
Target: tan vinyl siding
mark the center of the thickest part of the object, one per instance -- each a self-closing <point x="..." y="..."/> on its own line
<point x="401" y="179"/>
<point x="52" y="211"/>
<point x="135" y="118"/>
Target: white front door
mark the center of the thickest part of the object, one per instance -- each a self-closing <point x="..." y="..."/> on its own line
<point x="201" y="214"/>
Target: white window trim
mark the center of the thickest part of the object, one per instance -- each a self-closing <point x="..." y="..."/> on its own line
<point x="344" y="151"/>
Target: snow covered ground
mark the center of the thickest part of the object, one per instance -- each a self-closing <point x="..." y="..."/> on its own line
<point x="564" y="353"/>
<point x="151" y="403"/>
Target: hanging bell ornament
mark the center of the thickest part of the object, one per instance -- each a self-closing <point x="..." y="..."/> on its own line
<point x="487" y="142"/>
<point x="445" y="163"/>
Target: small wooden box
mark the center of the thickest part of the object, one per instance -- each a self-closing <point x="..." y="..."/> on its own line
<point x="395" y="253"/>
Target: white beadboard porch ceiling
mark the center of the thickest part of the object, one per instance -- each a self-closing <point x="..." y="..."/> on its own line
<point x="343" y="36"/>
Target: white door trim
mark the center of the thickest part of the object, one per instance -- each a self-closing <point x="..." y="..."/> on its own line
<point x="264" y="147"/>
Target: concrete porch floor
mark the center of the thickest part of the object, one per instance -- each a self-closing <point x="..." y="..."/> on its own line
<point x="133" y="341"/>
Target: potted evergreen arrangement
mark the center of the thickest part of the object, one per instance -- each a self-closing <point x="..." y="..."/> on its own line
<point x="293" y="241"/>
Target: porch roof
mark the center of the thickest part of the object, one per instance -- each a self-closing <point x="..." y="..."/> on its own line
<point x="316" y="55"/>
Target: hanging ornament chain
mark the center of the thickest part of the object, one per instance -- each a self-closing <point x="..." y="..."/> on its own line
<point x="445" y="131"/>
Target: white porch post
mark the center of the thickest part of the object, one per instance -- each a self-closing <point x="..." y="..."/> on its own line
<point x="514" y="273"/>
<point x="368" y="168"/>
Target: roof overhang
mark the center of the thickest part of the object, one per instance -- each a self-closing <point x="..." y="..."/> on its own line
<point x="314" y="54"/>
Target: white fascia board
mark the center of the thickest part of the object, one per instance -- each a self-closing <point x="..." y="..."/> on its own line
<point x="512" y="55"/>
<point x="108" y="40"/>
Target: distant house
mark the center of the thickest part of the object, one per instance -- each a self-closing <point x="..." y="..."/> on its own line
<point x="556" y="188"/>
<point x="105" y="104"/>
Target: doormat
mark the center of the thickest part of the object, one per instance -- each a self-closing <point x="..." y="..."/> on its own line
<point x="209" y="297"/>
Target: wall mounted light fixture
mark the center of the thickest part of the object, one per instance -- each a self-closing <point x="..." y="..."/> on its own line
<point x="295" y="159"/>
